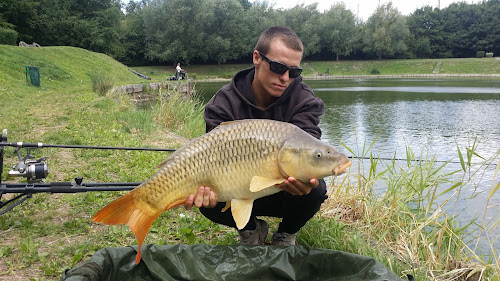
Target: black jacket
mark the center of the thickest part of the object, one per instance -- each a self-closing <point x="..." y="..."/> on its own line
<point x="235" y="101"/>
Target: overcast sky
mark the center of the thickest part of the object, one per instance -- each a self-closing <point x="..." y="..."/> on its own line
<point x="366" y="7"/>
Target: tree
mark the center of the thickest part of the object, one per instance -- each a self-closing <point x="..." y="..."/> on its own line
<point x="259" y="17"/>
<point x="8" y="36"/>
<point x="386" y="32"/>
<point x="338" y="31"/>
<point x="245" y="4"/>
<point x="223" y="30"/>
<point x="91" y="24"/>
<point x="458" y="19"/>
<point x="427" y="35"/>
<point x="21" y="16"/>
<point x="172" y="30"/>
<point x="484" y="32"/>
<point x="304" y="21"/>
<point x="134" y="35"/>
<point x="105" y="31"/>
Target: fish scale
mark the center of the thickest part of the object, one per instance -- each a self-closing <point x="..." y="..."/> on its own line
<point x="240" y="162"/>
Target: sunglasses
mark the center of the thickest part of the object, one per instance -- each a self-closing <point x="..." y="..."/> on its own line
<point x="280" y="68"/>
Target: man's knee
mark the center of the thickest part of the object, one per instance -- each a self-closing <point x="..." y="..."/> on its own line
<point x="313" y="201"/>
<point x="319" y="193"/>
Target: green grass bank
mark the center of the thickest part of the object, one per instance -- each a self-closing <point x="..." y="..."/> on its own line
<point x="332" y="69"/>
<point x="51" y="232"/>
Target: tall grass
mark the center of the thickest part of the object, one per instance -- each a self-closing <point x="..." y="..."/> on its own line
<point x="180" y="113"/>
<point x="101" y="83"/>
<point x="412" y="226"/>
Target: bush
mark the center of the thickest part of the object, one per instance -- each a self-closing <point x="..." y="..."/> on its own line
<point x="480" y="54"/>
<point x="101" y="83"/>
<point x="489" y="55"/>
<point x="374" y="71"/>
<point x="8" y="36"/>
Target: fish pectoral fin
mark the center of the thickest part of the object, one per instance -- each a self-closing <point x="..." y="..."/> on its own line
<point x="241" y="210"/>
<point x="259" y="183"/>
<point x="228" y="204"/>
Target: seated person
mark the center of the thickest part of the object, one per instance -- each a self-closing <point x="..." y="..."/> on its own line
<point x="179" y="72"/>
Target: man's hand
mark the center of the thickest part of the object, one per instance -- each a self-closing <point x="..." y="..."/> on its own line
<point x="203" y="198"/>
<point x="296" y="187"/>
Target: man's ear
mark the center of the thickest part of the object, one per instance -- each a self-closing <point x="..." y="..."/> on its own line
<point x="256" y="57"/>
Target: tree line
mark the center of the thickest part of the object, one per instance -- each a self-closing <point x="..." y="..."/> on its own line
<point x="221" y="31"/>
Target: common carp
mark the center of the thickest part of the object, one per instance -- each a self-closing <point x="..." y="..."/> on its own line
<point x="240" y="161"/>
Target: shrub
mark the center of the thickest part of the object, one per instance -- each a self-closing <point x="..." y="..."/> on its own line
<point x="8" y="36"/>
<point x="489" y="55"/>
<point x="480" y="54"/>
<point x="101" y="83"/>
<point x="374" y="71"/>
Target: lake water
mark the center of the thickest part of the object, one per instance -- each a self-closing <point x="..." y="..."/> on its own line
<point x="430" y="116"/>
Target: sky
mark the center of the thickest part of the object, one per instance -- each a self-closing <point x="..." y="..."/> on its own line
<point x="364" y="8"/>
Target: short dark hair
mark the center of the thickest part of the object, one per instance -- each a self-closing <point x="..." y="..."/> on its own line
<point x="285" y="34"/>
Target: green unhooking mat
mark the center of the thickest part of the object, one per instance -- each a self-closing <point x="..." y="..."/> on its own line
<point x="236" y="262"/>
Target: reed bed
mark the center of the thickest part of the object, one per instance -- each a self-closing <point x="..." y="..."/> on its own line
<point x="412" y="224"/>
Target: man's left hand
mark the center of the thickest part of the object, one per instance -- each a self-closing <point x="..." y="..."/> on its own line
<point x="296" y="187"/>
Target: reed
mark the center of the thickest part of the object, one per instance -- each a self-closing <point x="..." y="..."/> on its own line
<point x="413" y="221"/>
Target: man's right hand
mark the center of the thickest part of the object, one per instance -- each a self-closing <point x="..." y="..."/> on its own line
<point x="203" y="198"/>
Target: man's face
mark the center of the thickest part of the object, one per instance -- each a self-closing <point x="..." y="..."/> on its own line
<point x="271" y="83"/>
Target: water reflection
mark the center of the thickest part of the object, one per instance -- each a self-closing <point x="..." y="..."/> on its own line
<point x="437" y="121"/>
<point x="453" y="90"/>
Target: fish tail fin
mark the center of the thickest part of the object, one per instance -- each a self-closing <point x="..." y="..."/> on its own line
<point x="125" y="211"/>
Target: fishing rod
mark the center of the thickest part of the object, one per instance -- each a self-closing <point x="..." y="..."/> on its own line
<point x="42" y="145"/>
<point x="35" y="172"/>
<point x="404" y="159"/>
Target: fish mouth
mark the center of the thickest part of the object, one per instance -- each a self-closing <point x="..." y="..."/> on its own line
<point x="340" y="169"/>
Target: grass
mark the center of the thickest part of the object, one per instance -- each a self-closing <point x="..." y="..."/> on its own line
<point x="402" y="227"/>
<point x="183" y="116"/>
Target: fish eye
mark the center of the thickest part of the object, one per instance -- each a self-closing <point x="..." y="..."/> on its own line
<point x="318" y="155"/>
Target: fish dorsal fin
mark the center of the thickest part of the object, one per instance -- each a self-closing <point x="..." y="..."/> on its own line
<point x="229" y="122"/>
<point x="228" y="204"/>
<point x="162" y="163"/>
<point x="241" y="210"/>
<point x="259" y="183"/>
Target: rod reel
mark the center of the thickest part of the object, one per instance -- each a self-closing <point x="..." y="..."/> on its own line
<point x="33" y="170"/>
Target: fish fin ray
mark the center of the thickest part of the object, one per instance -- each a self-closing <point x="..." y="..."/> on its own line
<point x="259" y="183"/>
<point x="228" y="204"/>
<point x="125" y="211"/>
<point x="163" y="163"/>
<point x="229" y="122"/>
<point x="175" y="204"/>
<point x="241" y="210"/>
